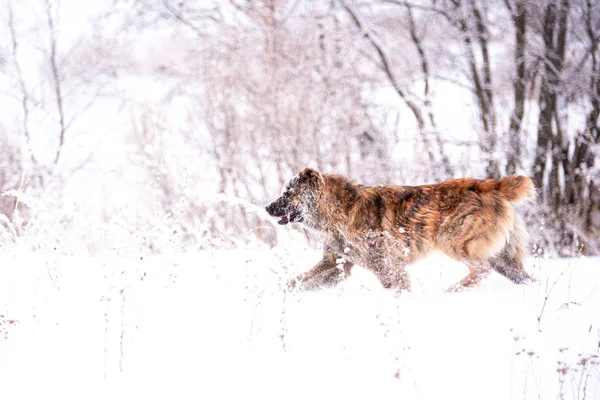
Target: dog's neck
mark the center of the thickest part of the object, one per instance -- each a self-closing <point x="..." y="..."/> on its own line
<point x="337" y="197"/>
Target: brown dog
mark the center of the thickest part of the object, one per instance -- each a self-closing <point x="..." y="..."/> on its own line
<point x="383" y="228"/>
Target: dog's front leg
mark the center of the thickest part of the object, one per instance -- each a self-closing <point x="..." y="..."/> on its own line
<point x="392" y="275"/>
<point x="328" y="272"/>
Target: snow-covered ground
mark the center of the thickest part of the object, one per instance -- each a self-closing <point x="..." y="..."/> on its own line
<point x="217" y="324"/>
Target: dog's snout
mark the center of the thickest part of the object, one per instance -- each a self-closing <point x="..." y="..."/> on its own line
<point x="271" y="208"/>
<point x="278" y="207"/>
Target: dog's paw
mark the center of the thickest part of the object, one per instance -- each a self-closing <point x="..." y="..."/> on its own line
<point x="457" y="287"/>
<point x="294" y="285"/>
<point x="402" y="290"/>
<point x="527" y="280"/>
<point x="530" y="280"/>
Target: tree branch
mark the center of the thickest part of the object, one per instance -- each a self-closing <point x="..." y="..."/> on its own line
<point x="56" y="80"/>
<point x="24" y="93"/>
<point x="386" y="65"/>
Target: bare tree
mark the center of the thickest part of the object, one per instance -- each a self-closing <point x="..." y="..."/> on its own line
<point x="584" y="186"/>
<point x="427" y="100"/>
<point x="423" y="113"/>
<point x="56" y="79"/>
<point x="24" y="92"/>
<point x="518" y="13"/>
<point x="550" y="141"/>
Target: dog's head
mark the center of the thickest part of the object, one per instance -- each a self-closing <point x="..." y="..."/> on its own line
<point x="298" y="197"/>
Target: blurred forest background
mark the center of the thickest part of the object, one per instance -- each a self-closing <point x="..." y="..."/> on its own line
<point x="158" y="126"/>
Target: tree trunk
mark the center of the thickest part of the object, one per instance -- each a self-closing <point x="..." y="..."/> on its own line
<point x="482" y="83"/>
<point x="554" y="35"/>
<point x="514" y="131"/>
<point x="580" y="191"/>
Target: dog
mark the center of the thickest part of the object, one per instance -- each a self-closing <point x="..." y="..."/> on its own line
<point x="384" y="228"/>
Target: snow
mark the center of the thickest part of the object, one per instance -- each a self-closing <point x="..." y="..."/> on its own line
<point x="218" y="324"/>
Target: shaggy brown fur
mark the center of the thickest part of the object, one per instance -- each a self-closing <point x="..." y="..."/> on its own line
<point x="383" y="228"/>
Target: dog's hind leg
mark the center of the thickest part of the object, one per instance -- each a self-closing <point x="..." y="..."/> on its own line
<point x="477" y="271"/>
<point x="478" y="234"/>
<point x="509" y="262"/>
<point x="330" y="271"/>
<point x="511" y="267"/>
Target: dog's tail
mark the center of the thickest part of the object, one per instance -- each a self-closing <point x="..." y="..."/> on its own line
<point x="517" y="189"/>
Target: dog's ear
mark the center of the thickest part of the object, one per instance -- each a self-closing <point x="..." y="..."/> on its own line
<point x="313" y="177"/>
<point x="312" y="165"/>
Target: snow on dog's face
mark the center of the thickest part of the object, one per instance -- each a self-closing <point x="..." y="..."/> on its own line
<point x="297" y="197"/>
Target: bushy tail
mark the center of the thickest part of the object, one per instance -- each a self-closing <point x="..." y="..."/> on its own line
<point x="517" y="188"/>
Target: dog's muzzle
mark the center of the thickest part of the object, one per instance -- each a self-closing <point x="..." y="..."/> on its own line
<point x="282" y="209"/>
